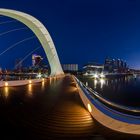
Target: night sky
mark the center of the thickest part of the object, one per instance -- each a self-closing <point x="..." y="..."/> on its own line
<point x="82" y="30"/>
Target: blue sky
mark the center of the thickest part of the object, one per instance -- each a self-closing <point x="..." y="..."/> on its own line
<point x="82" y="30"/>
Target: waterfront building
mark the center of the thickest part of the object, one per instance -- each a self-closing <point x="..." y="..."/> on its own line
<point x="93" y="67"/>
<point x="70" y="67"/>
<point x="109" y="65"/>
<point x="115" y="65"/>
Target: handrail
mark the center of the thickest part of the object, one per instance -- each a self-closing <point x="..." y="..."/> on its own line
<point x="106" y="102"/>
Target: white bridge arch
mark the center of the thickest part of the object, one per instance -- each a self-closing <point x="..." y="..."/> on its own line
<point x="41" y="33"/>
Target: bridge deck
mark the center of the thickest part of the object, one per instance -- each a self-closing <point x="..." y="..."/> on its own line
<point x="48" y="110"/>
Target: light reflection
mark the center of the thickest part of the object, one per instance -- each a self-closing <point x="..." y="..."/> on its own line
<point x="30" y="81"/>
<point x="43" y="79"/>
<point x="95" y="83"/>
<point x="6" y="84"/>
<point x="54" y="79"/>
<point x="102" y="75"/>
<point x="30" y="90"/>
<point x="106" y="83"/>
<point x="86" y="83"/>
<point x="89" y="108"/>
<point x="43" y="85"/>
<point x="50" y="80"/>
<point x="102" y="81"/>
<point x="95" y="76"/>
<point x="6" y="92"/>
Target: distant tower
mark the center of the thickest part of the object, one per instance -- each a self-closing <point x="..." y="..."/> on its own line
<point x="18" y="64"/>
<point x="36" y="60"/>
<point x="33" y="59"/>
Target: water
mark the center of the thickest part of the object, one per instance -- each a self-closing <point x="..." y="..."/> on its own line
<point x="123" y="91"/>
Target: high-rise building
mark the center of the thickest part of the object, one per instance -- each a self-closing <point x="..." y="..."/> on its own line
<point x="125" y="64"/>
<point x="108" y="61"/>
<point x="115" y="65"/>
<point x="70" y="67"/>
<point x="119" y="63"/>
<point x="109" y="64"/>
<point x="36" y="60"/>
<point x="18" y="64"/>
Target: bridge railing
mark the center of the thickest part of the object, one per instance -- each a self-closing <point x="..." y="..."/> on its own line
<point x="109" y="104"/>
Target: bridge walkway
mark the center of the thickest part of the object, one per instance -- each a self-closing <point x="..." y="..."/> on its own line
<point x="51" y="110"/>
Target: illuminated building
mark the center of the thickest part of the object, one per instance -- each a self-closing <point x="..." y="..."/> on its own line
<point x="115" y="65"/>
<point x="93" y="68"/>
<point x="70" y="67"/>
<point x="36" y="60"/>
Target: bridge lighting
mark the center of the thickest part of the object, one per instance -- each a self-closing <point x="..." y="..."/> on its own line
<point x="102" y="75"/>
<point x="95" y="76"/>
<point x="30" y="81"/>
<point x="89" y="108"/>
<point x="6" y="84"/>
<point x="39" y="75"/>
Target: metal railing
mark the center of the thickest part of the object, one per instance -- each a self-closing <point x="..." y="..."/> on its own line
<point x="117" y="107"/>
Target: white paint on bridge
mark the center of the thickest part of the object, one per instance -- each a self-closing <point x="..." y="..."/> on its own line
<point x="42" y="34"/>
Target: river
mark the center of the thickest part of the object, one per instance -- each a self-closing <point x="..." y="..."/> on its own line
<point x="123" y="91"/>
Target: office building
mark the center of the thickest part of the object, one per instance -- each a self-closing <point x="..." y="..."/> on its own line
<point x="93" y="68"/>
<point x="70" y="67"/>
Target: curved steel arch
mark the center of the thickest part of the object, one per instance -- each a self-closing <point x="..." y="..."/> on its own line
<point x="42" y="34"/>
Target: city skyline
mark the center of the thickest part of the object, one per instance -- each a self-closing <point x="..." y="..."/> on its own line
<point x="102" y="29"/>
<point x="70" y="69"/>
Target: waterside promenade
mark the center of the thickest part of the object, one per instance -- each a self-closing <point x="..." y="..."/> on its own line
<point x="51" y="109"/>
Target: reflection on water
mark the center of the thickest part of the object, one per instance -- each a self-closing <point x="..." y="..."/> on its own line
<point x="30" y="91"/>
<point x="6" y="92"/>
<point x="43" y="85"/>
<point x="102" y="82"/>
<point x="124" y="90"/>
<point x="95" y="83"/>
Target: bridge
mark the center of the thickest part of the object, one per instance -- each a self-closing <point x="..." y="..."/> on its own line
<point x="60" y="106"/>
<point x="41" y="33"/>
